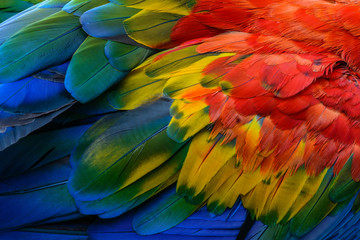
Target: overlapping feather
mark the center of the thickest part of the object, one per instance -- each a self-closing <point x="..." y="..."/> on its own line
<point x="259" y="115"/>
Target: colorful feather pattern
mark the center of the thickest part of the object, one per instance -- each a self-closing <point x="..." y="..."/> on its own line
<point x="179" y="119"/>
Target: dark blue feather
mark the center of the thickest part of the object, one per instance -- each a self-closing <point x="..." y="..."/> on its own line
<point x="36" y="196"/>
<point x="39" y="149"/>
<point x="70" y="230"/>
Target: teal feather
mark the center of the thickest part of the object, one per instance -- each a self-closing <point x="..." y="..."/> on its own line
<point x="30" y="15"/>
<point x="106" y="22"/>
<point x="48" y="42"/>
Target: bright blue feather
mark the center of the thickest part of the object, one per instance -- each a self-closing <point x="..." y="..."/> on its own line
<point x="33" y="95"/>
<point x="200" y="225"/>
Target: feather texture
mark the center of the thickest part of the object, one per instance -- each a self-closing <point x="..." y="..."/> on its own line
<point x="168" y="107"/>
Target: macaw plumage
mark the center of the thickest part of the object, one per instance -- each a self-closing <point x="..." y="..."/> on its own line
<point x="179" y="119"/>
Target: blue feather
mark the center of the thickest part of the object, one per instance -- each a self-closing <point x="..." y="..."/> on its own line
<point x="33" y="95"/>
<point x="199" y="226"/>
<point x="70" y="230"/>
<point x="36" y="196"/>
<point x="106" y="22"/>
<point x="13" y="133"/>
<point x="39" y="149"/>
<point x="33" y="235"/>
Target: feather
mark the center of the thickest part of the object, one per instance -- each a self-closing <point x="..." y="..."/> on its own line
<point x="38" y="195"/>
<point x="41" y="93"/>
<point x="107" y="22"/>
<point x="344" y="187"/>
<point x="71" y="230"/>
<point x="171" y="6"/>
<point x="179" y="129"/>
<point x="40" y="45"/>
<point x="78" y="7"/>
<point x="164" y="212"/>
<point x="314" y="211"/>
<point x="30" y="15"/>
<point x="135" y="90"/>
<point x="203" y="161"/>
<point x="125" y="57"/>
<point x="10" y="8"/>
<point x="200" y="225"/>
<point x="99" y="59"/>
<point x="139" y="191"/>
<point x="39" y="149"/>
<point x="10" y="134"/>
<point x="155" y="23"/>
<point x="88" y="69"/>
<point x="139" y="155"/>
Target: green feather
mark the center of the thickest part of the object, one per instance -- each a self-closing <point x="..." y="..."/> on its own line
<point x="133" y="144"/>
<point x="90" y="72"/>
<point x="315" y="210"/>
<point x="137" y="192"/>
<point x="344" y="187"/>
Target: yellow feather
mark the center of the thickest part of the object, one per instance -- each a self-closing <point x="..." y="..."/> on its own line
<point x="171" y="6"/>
<point x="183" y="108"/>
<point x="179" y="85"/>
<point x="204" y="160"/>
<point x="151" y="28"/>
<point x="307" y="192"/>
<point x="249" y="149"/>
<point x="186" y="127"/>
<point x="227" y="171"/>
<point x="286" y="194"/>
<point x="237" y="184"/>
<point x="256" y="199"/>
<point x="164" y="175"/>
<point x="135" y="90"/>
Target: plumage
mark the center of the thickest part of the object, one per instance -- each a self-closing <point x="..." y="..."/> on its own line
<point x="179" y="119"/>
